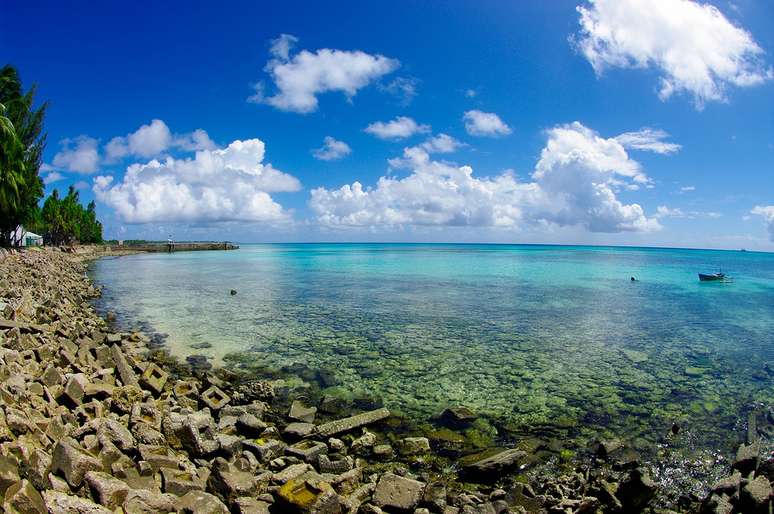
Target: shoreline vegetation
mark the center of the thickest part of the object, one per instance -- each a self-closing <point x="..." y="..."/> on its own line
<point x="97" y="420"/>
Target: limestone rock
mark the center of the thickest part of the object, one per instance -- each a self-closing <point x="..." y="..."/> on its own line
<point x="61" y="503"/>
<point x="23" y="498"/>
<point x="199" y="502"/>
<point x="410" y="446"/>
<point x="110" y="492"/>
<point x="398" y="492"/>
<point x="73" y="461"/>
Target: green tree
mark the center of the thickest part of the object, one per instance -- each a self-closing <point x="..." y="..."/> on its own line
<point x="65" y="220"/>
<point x="21" y="148"/>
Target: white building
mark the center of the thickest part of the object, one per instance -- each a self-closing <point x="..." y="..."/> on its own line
<point x="27" y="238"/>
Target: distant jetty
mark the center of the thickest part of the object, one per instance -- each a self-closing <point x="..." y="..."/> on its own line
<point x="176" y="247"/>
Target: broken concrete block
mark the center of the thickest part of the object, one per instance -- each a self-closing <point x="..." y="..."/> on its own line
<point x="125" y="371"/>
<point x="199" y="502"/>
<point x="23" y="498"/>
<point x="74" y="389"/>
<point x="73" y="461"/>
<point x="398" y="492"/>
<point x="58" y="502"/>
<point x="310" y="495"/>
<point x="300" y="412"/>
<point x="154" y="378"/>
<point x="109" y="491"/>
<point x="214" y="398"/>
<point x="346" y="424"/>
<point x="308" y="451"/>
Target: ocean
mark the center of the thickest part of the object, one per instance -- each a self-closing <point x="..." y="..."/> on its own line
<point x="536" y="339"/>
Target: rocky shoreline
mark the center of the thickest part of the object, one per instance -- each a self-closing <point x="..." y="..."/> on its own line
<point x="93" y="420"/>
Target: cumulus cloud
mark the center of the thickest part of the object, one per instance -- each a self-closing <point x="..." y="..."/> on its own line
<point x="399" y="128"/>
<point x="52" y="176"/>
<point x="648" y="139"/>
<point x="298" y="79"/>
<point x="767" y="213"/>
<point x="402" y="88"/>
<point x="231" y="184"/>
<point x="694" y="47"/>
<point x="79" y="155"/>
<point x="442" y="143"/>
<point x="479" y="123"/>
<point x="153" y="139"/>
<point x="574" y="184"/>
<point x="332" y="150"/>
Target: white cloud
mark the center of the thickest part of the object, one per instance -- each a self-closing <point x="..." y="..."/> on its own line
<point x="662" y="211"/>
<point x="442" y="143"/>
<point x="52" y="176"/>
<point x="470" y="93"/>
<point x="216" y="185"/>
<point x="195" y="141"/>
<point x="399" y="128"/>
<point x="767" y="212"/>
<point x="300" y="78"/>
<point x="153" y="140"/>
<point x="280" y="47"/>
<point x="79" y="155"/>
<point x="687" y="189"/>
<point x="403" y="88"/>
<point x="574" y="184"/>
<point x="696" y="49"/>
<point x="648" y="139"/>
<point x="332" y="150"/>
<point x="479" y="123"/>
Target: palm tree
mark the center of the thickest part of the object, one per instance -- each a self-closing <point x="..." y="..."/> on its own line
<point x="21" y="148"/>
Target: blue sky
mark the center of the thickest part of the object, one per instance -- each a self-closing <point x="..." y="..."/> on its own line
<point x="540" y="156"/>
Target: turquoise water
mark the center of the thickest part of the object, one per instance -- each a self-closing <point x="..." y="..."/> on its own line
<point x="536" y="338"/>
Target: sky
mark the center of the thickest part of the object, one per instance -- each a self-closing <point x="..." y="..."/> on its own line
<point x="623" y="122"/>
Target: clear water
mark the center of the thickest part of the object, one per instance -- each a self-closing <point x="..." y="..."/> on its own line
<point x="530" y="336"/>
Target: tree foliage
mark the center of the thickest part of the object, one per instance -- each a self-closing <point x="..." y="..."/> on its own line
<point x="66" y="221"/>
<point x="21" y="147"/>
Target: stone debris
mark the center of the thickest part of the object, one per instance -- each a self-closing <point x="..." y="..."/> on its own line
<point x="93" y="421"/>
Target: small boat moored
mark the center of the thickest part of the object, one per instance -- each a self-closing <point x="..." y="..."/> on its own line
<point x="708" y="277"/>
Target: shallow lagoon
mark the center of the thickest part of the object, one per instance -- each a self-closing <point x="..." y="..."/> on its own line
<point x="537" y="338"/>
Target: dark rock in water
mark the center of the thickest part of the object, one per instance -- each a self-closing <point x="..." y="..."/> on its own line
<point x="333" y="405"/>
<point x="747" y="458"/>
<point x="233" y="292"/>
<point x="605" y="448"/>
<point x="755" y="497"/>
<point x="457" y="417"/>
<point x="636" y="491"/>
<point x="201" y="346"/>
<point x="327" y="378"/>
<point x="368" y="403"/>
<point x="493" y="466"/>
<point x="198" y="363"/>
<point x="717" y="504"/>
<point x="729" y="486"/>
